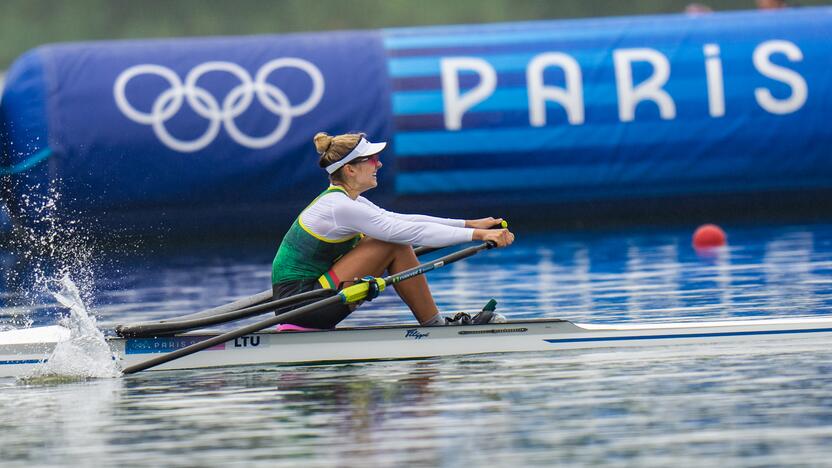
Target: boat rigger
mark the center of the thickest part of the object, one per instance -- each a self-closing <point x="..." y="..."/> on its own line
<point x="22" y="350"/>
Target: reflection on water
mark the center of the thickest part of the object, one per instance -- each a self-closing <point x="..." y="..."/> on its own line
<point x="691" y="406"/>
<point x="674" y="406"/>
<point x="56" y="424"/>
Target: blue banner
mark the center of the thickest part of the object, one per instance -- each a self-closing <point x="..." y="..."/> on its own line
<point x="202" y="129"/>
<point x="217" y="132"/>
<point x="614" y="108"/>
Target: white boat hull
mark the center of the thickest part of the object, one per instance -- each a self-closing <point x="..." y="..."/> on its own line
<point x="22" y="350"/>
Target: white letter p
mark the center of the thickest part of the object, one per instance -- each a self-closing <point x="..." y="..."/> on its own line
<point x="455" y="103"/>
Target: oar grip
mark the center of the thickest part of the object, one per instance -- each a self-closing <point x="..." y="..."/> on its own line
<point x="424" y="250"/>
<point x="359" y="291"/>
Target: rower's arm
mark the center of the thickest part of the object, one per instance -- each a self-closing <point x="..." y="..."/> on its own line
<point x="415" y="217"/>
<point x="378" y="224"/>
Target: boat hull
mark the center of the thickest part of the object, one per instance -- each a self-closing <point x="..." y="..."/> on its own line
<point x="21" y="353"/>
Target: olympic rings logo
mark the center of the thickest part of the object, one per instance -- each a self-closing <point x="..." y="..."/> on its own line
<point x="204" y="104"/>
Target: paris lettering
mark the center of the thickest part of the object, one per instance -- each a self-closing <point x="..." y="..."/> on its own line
<point x="570" y="96"/>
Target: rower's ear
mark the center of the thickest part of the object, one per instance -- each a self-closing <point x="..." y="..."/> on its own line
<point x="348" y="170"/>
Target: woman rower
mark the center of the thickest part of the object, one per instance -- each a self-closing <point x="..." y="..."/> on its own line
<point x="343" y="236"/>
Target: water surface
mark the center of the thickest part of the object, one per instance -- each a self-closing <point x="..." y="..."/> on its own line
<point x="732" y="404"/>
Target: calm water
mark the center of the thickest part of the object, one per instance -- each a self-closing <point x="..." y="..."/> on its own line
<point x="691" y="406"/>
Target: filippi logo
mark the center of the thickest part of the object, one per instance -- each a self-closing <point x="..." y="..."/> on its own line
<point x="220" y="112"/>
<point x="415" y="334"/>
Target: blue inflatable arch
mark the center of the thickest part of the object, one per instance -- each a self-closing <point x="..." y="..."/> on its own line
<point x="191" y="134"/>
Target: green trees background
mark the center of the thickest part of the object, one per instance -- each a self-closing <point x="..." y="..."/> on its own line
<point x="25" y="24"/>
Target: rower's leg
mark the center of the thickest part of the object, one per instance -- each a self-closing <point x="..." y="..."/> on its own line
<point x="415" y="291"/>
<point x="374" y="257"/>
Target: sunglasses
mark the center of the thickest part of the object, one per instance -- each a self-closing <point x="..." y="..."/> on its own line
<point x="374" y="158"/>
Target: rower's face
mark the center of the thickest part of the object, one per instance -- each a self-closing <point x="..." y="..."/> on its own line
<point x="367" y="172"/>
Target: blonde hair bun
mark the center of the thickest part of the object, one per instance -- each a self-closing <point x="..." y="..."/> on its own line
<point x="322" y="142"/>
<point x="333" y="148"/>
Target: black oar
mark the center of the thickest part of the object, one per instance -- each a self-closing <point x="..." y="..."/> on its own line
<point x="424" y="250"/>
<point x="238" y="304"/>
<point x="348" y="295"/>
<point x="192" y="322"/>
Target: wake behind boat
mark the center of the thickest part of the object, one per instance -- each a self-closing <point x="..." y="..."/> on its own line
<point x="22" y="350"/>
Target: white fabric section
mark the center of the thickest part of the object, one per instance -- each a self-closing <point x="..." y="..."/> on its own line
<point x="336" y="216"/>
<point x="417" y="218"/>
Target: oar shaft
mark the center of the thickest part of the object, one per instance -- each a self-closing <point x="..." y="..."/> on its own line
<point x="424" y="250"/>
<point x="184" y="324"/>
<point x="439" y="262"/>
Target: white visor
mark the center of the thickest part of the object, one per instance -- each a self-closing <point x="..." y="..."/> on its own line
<point x="363" y="148"/>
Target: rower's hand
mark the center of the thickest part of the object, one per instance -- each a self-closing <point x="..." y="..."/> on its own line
<point x="501" y="237"/>
<point x="484" y="223"/>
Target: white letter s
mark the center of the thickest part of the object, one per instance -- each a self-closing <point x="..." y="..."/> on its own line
<point x="800" y="90"/>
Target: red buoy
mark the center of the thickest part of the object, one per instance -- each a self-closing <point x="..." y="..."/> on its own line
<point x="707" y="236"/>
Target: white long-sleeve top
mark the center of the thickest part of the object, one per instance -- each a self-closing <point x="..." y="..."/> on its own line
<point x="335" y="217"/>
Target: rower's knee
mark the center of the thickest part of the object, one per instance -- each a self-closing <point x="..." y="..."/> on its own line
<point x="402" y="250"/>
<point x="395" y="250"/>
<point x="399" y="253"/>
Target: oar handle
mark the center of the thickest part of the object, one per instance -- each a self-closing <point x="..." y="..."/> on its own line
<point x="424" y="250"/>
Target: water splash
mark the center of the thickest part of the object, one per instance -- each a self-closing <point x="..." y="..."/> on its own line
<point x="54" y="242"/>
<point x="49" y="242"/>
<point x="86" y="354"/>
